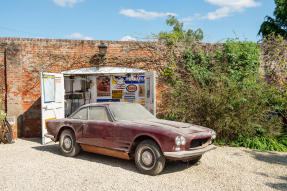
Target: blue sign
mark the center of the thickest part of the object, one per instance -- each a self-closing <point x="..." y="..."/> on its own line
<point x="108" y="100"/>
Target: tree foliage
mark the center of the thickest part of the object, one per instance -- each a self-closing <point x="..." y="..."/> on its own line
<point x="223" y="90"/>
<point x="178" y="34"/>
<point x="277" y="25"/>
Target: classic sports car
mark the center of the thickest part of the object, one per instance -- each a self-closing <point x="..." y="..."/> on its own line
<point x="127" y="130"/>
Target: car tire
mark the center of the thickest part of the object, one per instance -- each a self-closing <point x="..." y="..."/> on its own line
<point x="68" y="145"/>
<point x="149" y="158"/>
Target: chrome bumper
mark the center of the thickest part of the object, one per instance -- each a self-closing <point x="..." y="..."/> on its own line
<point x="50" y="136"/>
<point x="188" y="154"/>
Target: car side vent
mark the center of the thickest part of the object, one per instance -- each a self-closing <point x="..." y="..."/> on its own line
<point x="198" y="142"/>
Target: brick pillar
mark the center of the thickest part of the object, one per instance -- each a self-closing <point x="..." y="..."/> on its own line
<point x="14" y="83"/>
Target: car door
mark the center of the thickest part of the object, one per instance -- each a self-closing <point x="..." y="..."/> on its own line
<point x="100" y="128"/>
<point x="79" y="121"/>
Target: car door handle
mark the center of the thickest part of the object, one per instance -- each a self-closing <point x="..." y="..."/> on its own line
<point x="83" y="127"/>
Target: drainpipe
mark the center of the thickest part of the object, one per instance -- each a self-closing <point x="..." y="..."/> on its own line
<point x="5" y="80"/>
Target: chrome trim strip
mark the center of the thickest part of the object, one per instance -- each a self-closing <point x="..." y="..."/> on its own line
<point x="50" y="137"/>
<point x="182" y="154"/>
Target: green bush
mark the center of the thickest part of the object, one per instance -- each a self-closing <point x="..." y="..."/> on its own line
<point x="261" y="143"/>
<point x="224" y="91"/>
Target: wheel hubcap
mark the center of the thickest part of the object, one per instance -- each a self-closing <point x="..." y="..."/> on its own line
<point x="67" y="143"/>
<point x="147" y="158"/>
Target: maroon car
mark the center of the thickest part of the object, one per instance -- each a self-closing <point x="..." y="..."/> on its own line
<point x="127" y="130"/>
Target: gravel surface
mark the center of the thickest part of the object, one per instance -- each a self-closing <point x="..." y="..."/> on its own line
<point x="28" y="165"/>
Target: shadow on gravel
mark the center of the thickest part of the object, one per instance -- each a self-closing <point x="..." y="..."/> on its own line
<point x="269" y="157"/>
<point x="272" y="158"/>
<point x="48" y="148"/>
<point x="177" y="166"/>
<point x="171" y="166"/>
<point x="34" y="140"/>
<point x="279" y="186"/>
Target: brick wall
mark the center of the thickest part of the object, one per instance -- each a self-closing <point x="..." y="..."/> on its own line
<point x="22" y="60"/>
<point x="26" y="58"/>
<point x="2" y="79"/>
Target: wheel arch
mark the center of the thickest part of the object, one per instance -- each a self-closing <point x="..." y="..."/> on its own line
<point x="62" y="129"/>
<point x="141" y="138"/>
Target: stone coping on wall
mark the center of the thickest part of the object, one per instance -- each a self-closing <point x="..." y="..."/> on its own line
<point x="9" y="39"/>
<point x="73" y="41"/>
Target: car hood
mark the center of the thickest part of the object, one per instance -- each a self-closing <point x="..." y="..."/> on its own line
<point x="178" y="127"/>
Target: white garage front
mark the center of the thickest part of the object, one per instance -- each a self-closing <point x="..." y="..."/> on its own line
<point x="62" y="94"/>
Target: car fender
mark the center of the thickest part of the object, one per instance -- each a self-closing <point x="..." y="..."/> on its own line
<point x="62" y="128"/>
<point x="151" y="136"/>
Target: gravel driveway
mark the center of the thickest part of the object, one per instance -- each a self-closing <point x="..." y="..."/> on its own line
<point x="28" y="165"/>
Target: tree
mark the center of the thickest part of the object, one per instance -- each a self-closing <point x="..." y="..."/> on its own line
<point x="277" y="25"/>
<point x="178" y="34"/>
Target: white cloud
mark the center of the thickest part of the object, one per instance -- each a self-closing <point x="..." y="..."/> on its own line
<point x="128" y="38"/>
<point x="143" y="14"/>
<point x="78" y="36"/>
<point x="188" y="20"/>
<point x="67" y="3"/>
<point x="227" y="7"/>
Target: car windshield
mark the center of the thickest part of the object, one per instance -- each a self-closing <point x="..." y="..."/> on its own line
<point x="130" y="112"/>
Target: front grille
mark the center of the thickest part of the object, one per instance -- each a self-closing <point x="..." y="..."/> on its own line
<point x="198" y="142"/>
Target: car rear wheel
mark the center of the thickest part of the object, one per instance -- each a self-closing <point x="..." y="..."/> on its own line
<point x="68" y="145"/>
<point x="149" y="158"/>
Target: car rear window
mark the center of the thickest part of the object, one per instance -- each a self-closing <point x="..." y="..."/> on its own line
<point x="82" y="114"/>
<point x="98" y="113"/>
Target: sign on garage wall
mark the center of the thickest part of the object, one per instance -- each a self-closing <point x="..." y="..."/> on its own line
<point x="49" y="88"/>
<point x="103" y="86"/>
<point x="133" y="88"/>
<point x="117" y="94"/>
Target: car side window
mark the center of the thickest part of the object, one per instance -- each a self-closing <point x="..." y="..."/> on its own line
<point x="99" y="114"/>
<point x="82" y="114"/>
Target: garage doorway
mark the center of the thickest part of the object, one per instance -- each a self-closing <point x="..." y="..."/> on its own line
<point x="62" y="94"/>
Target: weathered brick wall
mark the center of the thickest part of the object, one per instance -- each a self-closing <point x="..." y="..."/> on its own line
<point x="26" y="58"/>
<point x="2" y="80"/>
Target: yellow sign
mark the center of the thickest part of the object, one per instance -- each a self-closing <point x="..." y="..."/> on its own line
<point x="117" y="94"/>
<point x="142" y="101"/>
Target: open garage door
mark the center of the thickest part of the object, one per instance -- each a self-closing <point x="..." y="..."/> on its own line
<point x="150" y="85"/>
<point x="52" y="100"/>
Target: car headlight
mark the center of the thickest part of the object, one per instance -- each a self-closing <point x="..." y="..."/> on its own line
<point x="180" y="140"/>
<point x="213" y="134"/>
<point x="177" y="140"/>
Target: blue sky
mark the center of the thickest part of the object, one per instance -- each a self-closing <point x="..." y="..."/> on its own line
<point x="130" y="19"/>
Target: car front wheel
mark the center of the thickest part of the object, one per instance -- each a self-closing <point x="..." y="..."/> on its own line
<point x="149" y="158"/>
<point x="67" y="143"/>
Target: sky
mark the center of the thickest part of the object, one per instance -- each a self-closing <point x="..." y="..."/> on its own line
<point x="130" y="19"/>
